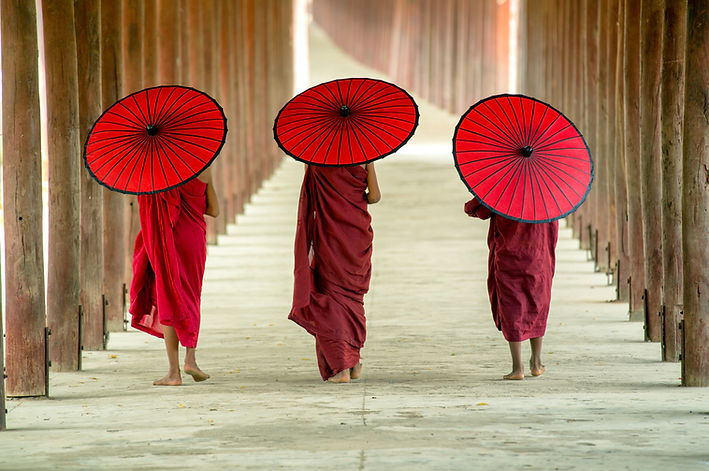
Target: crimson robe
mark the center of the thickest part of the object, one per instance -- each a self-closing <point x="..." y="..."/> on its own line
<point x="168" y="262"/>
<point x="520" y="271"/>
<point x="333" y="250"/>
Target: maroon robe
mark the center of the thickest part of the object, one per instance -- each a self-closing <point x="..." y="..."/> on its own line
<point x="168" y="262"/>
<point x="520" y="272"/>
<point x="333" y="250"/>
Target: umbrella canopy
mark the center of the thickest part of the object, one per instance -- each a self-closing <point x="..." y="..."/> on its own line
<point x="346" y="122"/>
<point x="155" y="139"/>
<point x="522" y="158"/>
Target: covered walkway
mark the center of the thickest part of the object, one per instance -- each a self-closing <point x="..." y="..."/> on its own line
<point x="431" y="396"/>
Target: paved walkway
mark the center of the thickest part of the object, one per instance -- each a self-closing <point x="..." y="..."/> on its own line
<point x="431" y="395"/>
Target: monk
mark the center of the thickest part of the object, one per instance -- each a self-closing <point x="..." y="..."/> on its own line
<point x="168" y="267"/>
<point x="520" y="271"/>
<point x="333" y="251"/>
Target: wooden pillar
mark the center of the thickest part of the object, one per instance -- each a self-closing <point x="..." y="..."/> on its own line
<point x="672" y="114"/>
<point x="650" y="161"/>
<point x="608" y="127"/>
<point x="631" y="66"/>
<point x="695" y="204"/>
<point x="226" y="80"/>
<point x="595" y="111"/>
<point x="168" y="46"/>
<point x="87" y="17"/>
<point x="622" y="265"/>
<point x="22" y="201"/>
<point x="64" y="184"/>
<point x="114" y="203"/>
<point x="3" y="411"/>
<point x="150" y="43"/>
<point x="132" y="82"/>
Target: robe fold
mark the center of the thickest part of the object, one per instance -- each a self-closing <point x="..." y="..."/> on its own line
<point x="520" y="271"/>
<point x="168" y="262"/>
<point x="333" y="250"/>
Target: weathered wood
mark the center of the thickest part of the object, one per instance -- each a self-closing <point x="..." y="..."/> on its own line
<point x="650" y="160"/>
<point x="622" y="268"/>
<point x="3" y="411"/>
<point x="64" y="184"/>
<point x="607" y="131"/>
<point x="114" y="203"/>
<point x="88" y="52"/>
<point x="132" y="56"/>
<point x="695" y="203"/>
<point x="672" y="114"/>
<point x="150" y="43"/>
<point x="631" y="66"/>
<point x="22" y="201"/>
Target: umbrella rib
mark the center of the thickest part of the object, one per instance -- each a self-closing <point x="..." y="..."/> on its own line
<point x="128" y="145"/>
<point x="137" y="159"/>
<point x="326" y="103"/>
<point x="359" y="142"/>
<point x="366" y="127"/>
<point x="541" y="136"/>
<point x="131" y="157"/>
<point x="166" y="145"/>
<point x="386" y="123"/>
<point x="194" y="118"/>
<point x="551" y="163"/>
<point x="315" y="130"/>
<point x="546" y="184"/>
<point x="543" y="168"/>
<point x="374" y="101"/>
<point x="178" y="112"/>
<point x="510" y="127"/>
<point x="548" y="146"/>
<point x="333" y="133"/>
<point x="546" y="139"/>
<point x="516" y="185"/>
<point x="354" y="95"/>
<point x="491" y="138"/>
<point x="535" y="133"/>
<point x="364" y="132"/>
<point x="510" y="139"/>
<point x="509" y="164"/>
<point x="325" y="130"/>
<point x="506" y="158"/>
<point x="307" y="124"/>
<point x="134" y="125"/>
<point x="547" y="167"/>
<point x="519" y="129"/>
<point x="166" y="110"/>
<point x="531" y="121"/>
<point x="143" y="120"/>
<point x="358" y="102"/>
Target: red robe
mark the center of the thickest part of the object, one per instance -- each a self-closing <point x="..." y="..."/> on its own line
<point x="520" y="272"/>
<point x="333" y="250"/>
<point x="168" y="262"/>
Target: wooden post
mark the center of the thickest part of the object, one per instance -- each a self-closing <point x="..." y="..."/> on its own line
<point x="621" y="195"/>
<point x="64" y="184"/>
<point x="114" y="203"/>
<point x="150" y="43"/>
<point x="88" y="52"/>
<point x="631" y="67"/>
<point x="3" y="411"/>
<point x="22" y="199"/>
<point x="672" y="114"/>
<point x="695" y="203"/>
<point x="650" y="160"/>
<point x="608" y="142"/>
<point x="132" y="62"/>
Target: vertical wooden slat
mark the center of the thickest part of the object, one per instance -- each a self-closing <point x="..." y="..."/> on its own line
<point x="150" y="41"/>
<point x="114" y="204"/>
<point x="64" y="183"/>
<point x="672" y="114"/>
<point x="631" y="67"/>
<point x="695" y="204"/>
<point x="650" y="160"/>
<point x="22" y="201"/>
<point x="87" y="15"/>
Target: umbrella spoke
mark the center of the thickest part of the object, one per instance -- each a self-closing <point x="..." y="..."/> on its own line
<point x="506" y="128"/>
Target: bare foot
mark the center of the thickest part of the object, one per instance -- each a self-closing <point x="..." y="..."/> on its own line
<point x="356" y="371"/>
<point x="169" y="380"/>
<point x="537" y="369"/>
<point x="341" y="377"/>
<point x="515" y="375"/>
<point x="197" y="374"/>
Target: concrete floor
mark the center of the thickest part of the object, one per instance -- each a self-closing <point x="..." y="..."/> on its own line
<point x="431" y="396"/>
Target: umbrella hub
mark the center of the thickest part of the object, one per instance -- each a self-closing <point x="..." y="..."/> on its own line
<point x="152" y="130"/>
<point x="344" y="111"/>
<point x="526" y="151"/>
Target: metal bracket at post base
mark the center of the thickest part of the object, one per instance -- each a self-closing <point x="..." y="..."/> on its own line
<point x="80" y="347"/>
<point x="47" y="361"/>
<point x="106" y="334"/>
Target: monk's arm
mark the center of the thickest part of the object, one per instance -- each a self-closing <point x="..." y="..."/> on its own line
<point x="212" y="200"/>
<point x="373" y="193"/>
<point x="474" y="208"/>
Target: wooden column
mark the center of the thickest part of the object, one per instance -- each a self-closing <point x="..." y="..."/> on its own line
<point x="631" y="67"/>
<point x="650" y="161"/>
<point x="226" y="80"/>
<point x="596" y="109"/>
<point x="150" y="43"/>
<point x="87" y="17"/>
<point x="168" y="45"/>
<point x="132" y="82"/>
<point x="672" y="114"/>
<point x="22" y="201"/>
<point x="64" y="184"/>
<point x="695" y="205"/>
<point x="608" y="140"/>
<point x="114" y="203"/>
<point x="622" y="267"/>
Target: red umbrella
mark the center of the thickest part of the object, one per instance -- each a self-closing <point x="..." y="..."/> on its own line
<point x="522" y="158"/>
<point x="155" y="139"/>
<point x="346" y="122"/>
